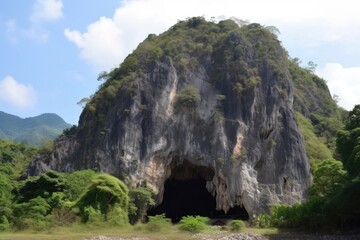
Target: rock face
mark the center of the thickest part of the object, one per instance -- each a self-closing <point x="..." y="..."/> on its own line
<point x="220" y="98"/>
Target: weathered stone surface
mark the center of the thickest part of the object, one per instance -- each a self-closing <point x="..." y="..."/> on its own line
<point x="254" y="146"/>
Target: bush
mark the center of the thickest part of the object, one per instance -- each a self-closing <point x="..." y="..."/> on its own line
<point x="32" y="214"/>
<point x="187" y="99"/>
<point x="236" y="225"/>
<point x="193" y="224"/>
<point x="4" y="223"/>
<point x="262" y="221"/>
<point x="31" y="223"/>
<point x="157" y="223"/>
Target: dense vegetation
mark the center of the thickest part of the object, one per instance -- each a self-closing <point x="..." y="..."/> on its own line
<point x="33" y="130"/>
<point x="335" y="192"/>
<point x="79" y="198"/>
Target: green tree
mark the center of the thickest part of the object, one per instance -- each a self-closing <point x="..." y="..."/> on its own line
<point x="105" y="194"/>
<point x="329" y="178"/>
<point x="41" y="186"/>
<point x="353" y="119"/>
<point x="311" y="66"/>
<point x="31" y="214"/>
<point x="348" y="143"/>
<point x="5" y="200"/>
<point x="76" y="183"/>
<point x="141" y="199"/>
<point x="103" y="76"/>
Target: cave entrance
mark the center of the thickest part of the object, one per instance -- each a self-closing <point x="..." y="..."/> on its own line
<point x="185" y="194"/>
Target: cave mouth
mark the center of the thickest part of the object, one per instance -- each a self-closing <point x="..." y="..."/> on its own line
<point x="185" y="194"/>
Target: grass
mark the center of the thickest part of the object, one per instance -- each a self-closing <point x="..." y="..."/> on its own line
<point x="79" y="232"/>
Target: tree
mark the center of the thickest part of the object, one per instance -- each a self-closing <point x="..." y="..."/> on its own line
<point x="141" y="200"/>
<point x="31" y="214"/>
<point x="83" y="102"/>
<point x="104" y="195"/>
<point x="5" y="199"/>
<point x="274" y="30"/>
<point x="103" y="76"/>
<point x="348" y="142"/>
<point x="76" y="183"/>
<point x="311" y="66"/>
<point x="329" y="177"/>
<point x="41" y="186"/>
<point x="353" y="119"/>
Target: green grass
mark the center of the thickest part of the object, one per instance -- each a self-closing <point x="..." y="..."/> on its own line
<point x="316" y="150"/>
<point x="81" y="232"/>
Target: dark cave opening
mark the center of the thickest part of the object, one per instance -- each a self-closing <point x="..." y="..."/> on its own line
<point x="185" y="194"/>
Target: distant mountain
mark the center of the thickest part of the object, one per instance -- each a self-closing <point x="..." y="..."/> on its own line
<point x="32" y="130"/>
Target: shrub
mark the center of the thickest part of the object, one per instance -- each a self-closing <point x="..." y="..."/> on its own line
<point x="236" y="225"/>
<point x="262" y="221"/>
<point x="63" y="216"/>
<point x="157" y="223"/>
<point x="193" y="224"/>
<point x="4" y="223"/>
<point x="47" y="146"/>
<point x="188" y="99"/>
<point x="31" y="214"/>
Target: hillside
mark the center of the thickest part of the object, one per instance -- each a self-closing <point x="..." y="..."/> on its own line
<point x="32" y="130"/>
<point x="219" y="109"/>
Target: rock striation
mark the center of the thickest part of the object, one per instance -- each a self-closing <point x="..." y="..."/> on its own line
<point x="218" y="96"/>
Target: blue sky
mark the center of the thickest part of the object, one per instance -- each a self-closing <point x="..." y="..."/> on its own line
<point x="51" y="51"/>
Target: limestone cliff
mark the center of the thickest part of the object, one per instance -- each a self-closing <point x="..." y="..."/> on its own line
<point x="217" y="96"/>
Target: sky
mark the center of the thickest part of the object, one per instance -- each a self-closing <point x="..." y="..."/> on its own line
<point x="52" y="51"/>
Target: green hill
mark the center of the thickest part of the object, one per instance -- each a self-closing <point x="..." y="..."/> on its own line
<point x="32" y="130"/>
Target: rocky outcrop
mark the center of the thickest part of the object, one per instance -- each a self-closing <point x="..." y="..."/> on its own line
<point x="240" y="122"/>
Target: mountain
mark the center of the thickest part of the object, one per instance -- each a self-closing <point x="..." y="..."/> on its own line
<point x="32" y="130"/>
<point x="215" y="117"/>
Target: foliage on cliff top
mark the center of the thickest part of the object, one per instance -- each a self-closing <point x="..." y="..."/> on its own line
<point x="190" y="44"/>
<point x="313" y="100"/>
<point x="238" y="56"/>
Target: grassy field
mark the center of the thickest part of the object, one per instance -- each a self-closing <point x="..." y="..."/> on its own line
<point x="81" y="233"/>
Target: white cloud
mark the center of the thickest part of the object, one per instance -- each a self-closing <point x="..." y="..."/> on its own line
<point x="344" y="82"/>
<point x="43" y="11"/>
<point x="101" y="44"/>
<point x="107" y="41"/>
<point x="17" y="94"/>
<point x="46" y="10"/>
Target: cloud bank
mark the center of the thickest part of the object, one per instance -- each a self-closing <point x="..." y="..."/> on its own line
<point x="17" y="94"/>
